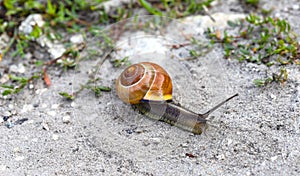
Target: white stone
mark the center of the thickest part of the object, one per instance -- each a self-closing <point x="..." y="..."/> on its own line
<point x="26" y="26"/>
<point x="77" y="39"/>
<point x="296" y="7"/>
<point x="41" y="91"/>
<point x="273" y="96"/>
<point x="27" y="108"/>
<point x="55" y="137"/>
<point x="155" y="140"/>
<point x="11" y="106"/>
<point x="54" y="106"/>
<point x="229" y="141"/>
<point x="51" y="113"/>
<point x="73" y="104"/>
<point x="4" y="78"/>
<point x="31" y="86"/>
<point x="274" y="158"/>
<point x="56" y="51"/>
<point x="45" y="126"/>
<point x="6" y="113"/>
<point x="2" y="167"/>
<point x="20" y="68"/>
<point x="66" y="119"/>
<point x="44" y="105"/>
<point x="17" y="150"/>
<point x="19" y="158"/>
<point x="200" y="23"/>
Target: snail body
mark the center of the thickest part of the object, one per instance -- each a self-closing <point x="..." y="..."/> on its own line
<point x="148" y="87"/>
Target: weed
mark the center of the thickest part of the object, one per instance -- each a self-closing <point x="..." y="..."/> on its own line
<point x="261" y="40"/>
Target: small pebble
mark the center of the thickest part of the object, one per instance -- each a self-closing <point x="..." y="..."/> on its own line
<point x="1" y="120"/>
<point x="44" y="105"/>
<point x="7" y="113"/>
<point x="54" y="106"/>
<point x="73" y="104"/>
<point x="4" y="78"/>
<point x="31" y="86"/>
<point x="274" y="158"/>
<point x="184" y="145"/>
<point x="51" y="113"/>
<point x="11" y="106"/>
<point x="296" y="7"/>
<point x="273" y="96"/>
<point x="66" y="119"/>
<point x="229" y="141"/>
<point x="221" y="157"/>
<point x="77" y="39"/>
<point x="26" y="26"/>
<point x="20" y="68"/>
<point x="45" y="126"/>
<point x="55" y="137"/>
<point x="17" y="150"/>
<point x="40" y="91"/>
<point x="2" y="167"/>
<point x="56" y="51"/>
<point x="26" y="108"/>
<point x="155" y="140"/>
<point x="19" y="158"/>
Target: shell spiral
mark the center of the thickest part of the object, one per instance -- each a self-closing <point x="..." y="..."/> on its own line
<point x="144" y="81"/>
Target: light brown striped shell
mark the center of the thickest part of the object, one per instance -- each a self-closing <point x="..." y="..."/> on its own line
<point x="144" y="81"/>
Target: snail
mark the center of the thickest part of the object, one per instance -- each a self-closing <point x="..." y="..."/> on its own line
<point x="148" y="87"/>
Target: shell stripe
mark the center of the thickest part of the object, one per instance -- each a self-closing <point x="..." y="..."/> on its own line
<point x="138" y="81"/>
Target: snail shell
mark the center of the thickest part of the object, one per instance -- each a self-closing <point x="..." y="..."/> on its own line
<point x="144" y="81"/>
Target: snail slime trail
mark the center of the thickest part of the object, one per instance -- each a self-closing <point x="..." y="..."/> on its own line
<point x="148" y="87"/>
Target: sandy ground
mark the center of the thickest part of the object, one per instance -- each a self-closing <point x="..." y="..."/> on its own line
<point x="257" y="133"/>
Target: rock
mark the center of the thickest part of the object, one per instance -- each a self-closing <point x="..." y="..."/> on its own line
<point x="55" y="137"/>
<point x="27" y="108"/>
<point x="6" y="113"/>
<point x="200" y="23"/>
<point x="31" y="86"/>
<point x="4" y="78"/>
<point x="296" y="7"/>
<point x="27" y="25"/>
<point x="66" y="119"/>
<point x="19" y="158"/>
<point x="274" y="158"/>
<point x="273" y="97"/>
<point x="45" y="126"/>
<point x="54" y="106"/>
<point x="3" y="167"/>
<point x="55" y="49"/>
<point x="51" y="113"/>
<point x="4" y="39"/>
<point x="77" y="39"/>
<point x="112" y="4"/>
<point x="41" y="91"/>
<point x="17" y="68"/>
<point x="155" y="140"/>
